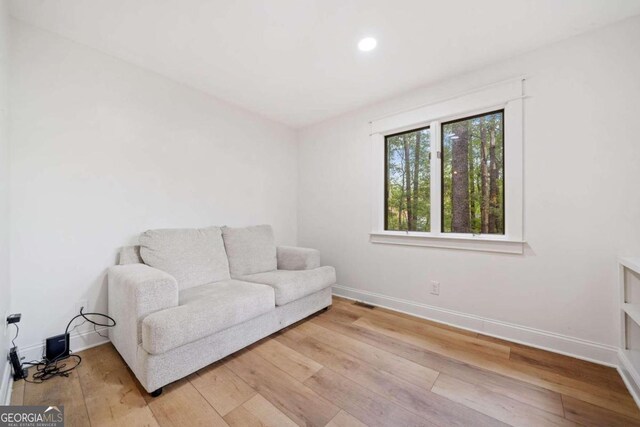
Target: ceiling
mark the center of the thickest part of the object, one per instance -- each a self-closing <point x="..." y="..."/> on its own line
<point x="296" y="61"/>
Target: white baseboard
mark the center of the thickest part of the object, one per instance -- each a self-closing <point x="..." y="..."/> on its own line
<point x="557" y="343"/>
<point x="79" y="342"/>
<point x="629" y="375"/>
<point x="6" y="385"/>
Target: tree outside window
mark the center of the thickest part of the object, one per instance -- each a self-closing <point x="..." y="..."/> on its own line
<point x="408" y="177"/>
<point x="473" y="174"/>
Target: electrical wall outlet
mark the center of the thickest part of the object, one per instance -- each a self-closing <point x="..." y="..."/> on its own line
<point x="435" y="288"/>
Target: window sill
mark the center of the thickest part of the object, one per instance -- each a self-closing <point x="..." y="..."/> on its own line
<point x="484" y="243"/>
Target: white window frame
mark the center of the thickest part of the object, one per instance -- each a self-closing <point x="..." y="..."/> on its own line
<point x="507" y="96"/>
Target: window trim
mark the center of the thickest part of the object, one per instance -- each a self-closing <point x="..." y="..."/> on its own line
<point x="507" y="96"/>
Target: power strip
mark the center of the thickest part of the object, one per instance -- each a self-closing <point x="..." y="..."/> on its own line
<point x="18" y="371"/>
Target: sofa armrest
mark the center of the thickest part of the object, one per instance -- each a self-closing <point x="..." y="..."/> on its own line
<point x="292" y="258"/>
<point x="135" y="291"/>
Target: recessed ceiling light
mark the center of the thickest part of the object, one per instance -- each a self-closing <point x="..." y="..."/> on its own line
<point x="367" y="44"/>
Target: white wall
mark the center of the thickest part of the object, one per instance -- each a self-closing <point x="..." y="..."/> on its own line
<point x="5" y="289"/>
<point x="102" y="150"/>
<point x="582" y="208"/>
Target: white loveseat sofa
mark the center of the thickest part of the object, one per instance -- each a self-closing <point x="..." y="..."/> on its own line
<point x="186" y="298"/>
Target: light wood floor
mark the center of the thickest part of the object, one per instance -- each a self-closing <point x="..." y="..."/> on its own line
<point x="352" y="366"/>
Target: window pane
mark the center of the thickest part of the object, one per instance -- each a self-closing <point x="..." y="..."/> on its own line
<point x="408" y="191"/>
<point x="473" y="175"/>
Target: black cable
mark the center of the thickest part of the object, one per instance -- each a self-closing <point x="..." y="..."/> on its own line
<point x="13" y="341"/>
<point x="86" y="319"/>
<point x="47" y="369"/>
<point x="98" y="332"/>
<point x="77" y="326"/>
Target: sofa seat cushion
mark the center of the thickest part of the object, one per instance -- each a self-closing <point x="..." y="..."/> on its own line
<point x="193" y="256"/>
<point x="204" y="310"/>
<point x="292" y="285"/>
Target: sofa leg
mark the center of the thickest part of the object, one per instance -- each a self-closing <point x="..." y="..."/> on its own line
<point x="325" y="309"/>
<point x="156" y="393"/>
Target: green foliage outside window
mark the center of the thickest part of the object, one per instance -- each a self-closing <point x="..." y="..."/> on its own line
<point x="408" y="191"/>
<point x="473" y="175"/>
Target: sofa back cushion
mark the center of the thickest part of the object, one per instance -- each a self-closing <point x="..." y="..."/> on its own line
<point x="250" y="249"/>
<point x="193" y="256"/>
<point x="129" y="255"/>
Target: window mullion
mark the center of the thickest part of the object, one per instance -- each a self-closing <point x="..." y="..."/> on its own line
<point x="436" y="178"/>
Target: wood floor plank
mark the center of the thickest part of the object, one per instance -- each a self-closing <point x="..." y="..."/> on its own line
<point x="258" y="412"/>
<point x="264" y="410"/>
<point x="519" y="390"/>
<point x="445" y="345"/>
<point x="428" y="322"/>
<point x="298" y="402"/>
<point x="110" y="391"/>
<point x="17" y="393"/>
<point x="597" y="395"/>
<point x="353" y="309"/>
<point x="181" y="404"/>
<point x="590" y="415"/>
<point x="374" y="356"/>
<point x="59" y="391"/>
<point x="365" y="405"/>
<point x="242" y="417"/>
<point x="495" y="405"/>
<point x="102" y="358"/>
<point x="422" y="402"/>
<point x="351" y="366"/>
<point x="344" y="419"/>
<point x="291" y="333"/>
<point x="350" y="307"/>
<point x="619" y="402"/>
<point x="570" y="366"/>
<point x="564" y="365"/>
<point x="223" y="389"/>
<point x="338" y="314"/>
<point x="348" y="313"/>
<point x="113" y="399"/>
<point x="295" y="364"/>
<point x="391" y="315"/>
